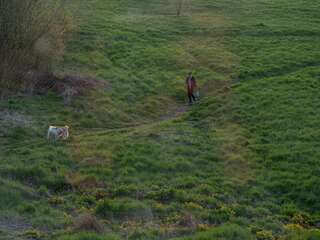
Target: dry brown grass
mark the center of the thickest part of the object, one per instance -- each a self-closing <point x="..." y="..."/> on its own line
<point x="68" y="86"/>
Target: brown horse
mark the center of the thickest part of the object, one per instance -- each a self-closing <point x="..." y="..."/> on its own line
<point x="191" y="86"/>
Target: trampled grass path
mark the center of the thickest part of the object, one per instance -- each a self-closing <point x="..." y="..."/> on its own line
<point x="178" y="112"/>
<point x="287" y="70"/>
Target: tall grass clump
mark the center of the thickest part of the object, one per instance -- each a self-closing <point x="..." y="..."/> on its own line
<point x="32" y="37"/>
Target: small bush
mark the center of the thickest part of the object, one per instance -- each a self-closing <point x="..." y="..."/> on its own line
<point x="56" y="200"/>
<point x="289" y="209"/>
<point x="86" y="200"/>
<point x="163" y="195"/>
<point x="87" y="222"/>
<point x="26" y="209"/>
<point x="220" y="215"/>
<point x="123" y="208"/>
<point x="43" y="191"/>
<point x="303" y="219"/>
<point x="57" y="183"/>
<point x="125" y="191"/>
<point x="83" y="184"/>
<point x="189" y="221"/>
<point x="193" y="206"/>
<point x="32" y="234"/>
<point x="264" y="235"/>
<point x="100" y="193"/>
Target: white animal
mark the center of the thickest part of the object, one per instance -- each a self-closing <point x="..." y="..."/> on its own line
<point x="56" y="133"/>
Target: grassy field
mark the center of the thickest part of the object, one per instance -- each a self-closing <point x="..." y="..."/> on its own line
<point x="243" y="163"/>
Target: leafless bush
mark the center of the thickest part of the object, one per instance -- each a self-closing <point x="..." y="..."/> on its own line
<point x="32" y="36"/>
<point x="67" y="86"/>
<point x="71" y="86"/>
<point x="76" y="84"/>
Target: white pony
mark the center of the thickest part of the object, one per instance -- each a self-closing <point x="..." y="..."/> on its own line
<point x="56" y="133"/>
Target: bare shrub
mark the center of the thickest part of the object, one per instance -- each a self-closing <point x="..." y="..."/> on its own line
<point x="32" y="36"/>
<point x="68" y="86"/>
<point x="75" y="84"/>
<point x="71" y="86"/>
<point x="87" y="222"/>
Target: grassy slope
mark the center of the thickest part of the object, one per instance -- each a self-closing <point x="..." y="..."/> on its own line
<point x="246" y="155"/>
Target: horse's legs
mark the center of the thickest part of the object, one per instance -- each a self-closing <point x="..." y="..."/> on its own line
<point x="190" y="97"/>
<point x="193" y="97"/>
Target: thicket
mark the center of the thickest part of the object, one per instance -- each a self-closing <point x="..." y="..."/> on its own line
<point x="32" y="38"/>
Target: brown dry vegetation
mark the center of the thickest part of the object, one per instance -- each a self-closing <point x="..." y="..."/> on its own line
<point x="32" y="37"/>
<point x="87" y="222"/>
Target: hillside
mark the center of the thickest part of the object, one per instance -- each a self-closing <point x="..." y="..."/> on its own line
<point x="242" y="163"/>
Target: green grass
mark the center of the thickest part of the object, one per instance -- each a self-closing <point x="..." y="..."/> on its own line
<point x="230" y="232"/>
<point x="240" y="164"/>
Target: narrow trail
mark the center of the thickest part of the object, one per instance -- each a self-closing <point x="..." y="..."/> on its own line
<point x="175" y="114"/>
<point x="286" y="70"/>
